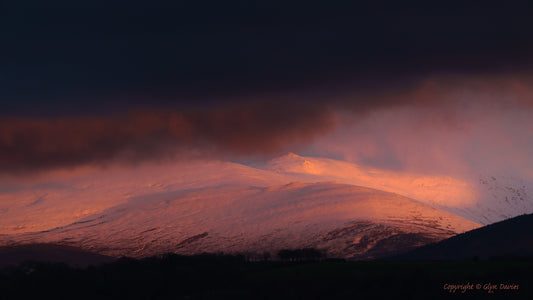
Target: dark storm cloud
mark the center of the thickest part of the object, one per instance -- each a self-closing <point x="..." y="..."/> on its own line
<point x="34" y="144"/>
<point x="214" y="78"/>
<point x="92" y="57"/>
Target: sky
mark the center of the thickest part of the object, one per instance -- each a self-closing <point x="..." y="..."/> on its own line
<point x="443" y="89"/>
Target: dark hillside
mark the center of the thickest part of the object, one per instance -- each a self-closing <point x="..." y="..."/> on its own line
<point x="508" y="239"/>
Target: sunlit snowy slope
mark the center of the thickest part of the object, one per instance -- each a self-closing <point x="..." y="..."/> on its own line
<point x="345" y="220"/>
<point x="191" y="207"/>
<point x="482" y="199"/>
<point x="63" y="197"/>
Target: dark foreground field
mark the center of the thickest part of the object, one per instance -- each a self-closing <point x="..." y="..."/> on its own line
<point x="231" y="277"/>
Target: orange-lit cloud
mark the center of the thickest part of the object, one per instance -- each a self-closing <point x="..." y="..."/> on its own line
<point x="28" y="144"/>
<point x="447" y="124"/>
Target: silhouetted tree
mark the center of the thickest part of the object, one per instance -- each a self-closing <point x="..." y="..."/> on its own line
<point x="286" y="254"/>
<point x="306" y="254"/>
<point x="311" y="254"/>
<point x="266" y="256"/>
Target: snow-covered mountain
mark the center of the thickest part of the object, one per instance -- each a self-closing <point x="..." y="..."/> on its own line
<point x="482" y="199"/>
<point x="346" y="220"/>
<point x="63" y="197"/>
<point x="501" y="197"/>
<point x="289" y="202"/>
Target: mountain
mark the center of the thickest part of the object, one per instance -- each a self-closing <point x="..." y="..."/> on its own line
<point x="291" y="201"/>
<point x="482" y="198"/>
<point x="501" y="198"/>
<point x="511" y="238"/>
<point x="60" y="198"/>
<point x="218" y="206"/>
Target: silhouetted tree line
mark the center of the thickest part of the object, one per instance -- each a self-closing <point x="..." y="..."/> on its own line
<point x="222" y="276"/>
<point x="292" y="255"/>
<point x="254" y="256"/>
<point x="299" y="255"/>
